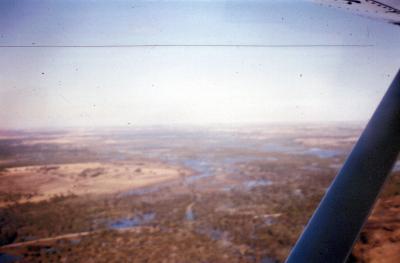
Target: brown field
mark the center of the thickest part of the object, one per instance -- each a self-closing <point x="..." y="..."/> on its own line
<point x="38" y="183"/>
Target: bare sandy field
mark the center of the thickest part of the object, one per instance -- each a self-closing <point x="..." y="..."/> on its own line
<point x="42" y="182"/>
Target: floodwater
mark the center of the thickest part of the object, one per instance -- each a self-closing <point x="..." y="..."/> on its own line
<point x="189" y="215"/>
<point x="7" y="258"/>
<point x="213" y="233"/>
<point x="254" y="183"/>
<point x="208" y="164"/>
<point x="202" y="168"/>
<point x="133" y="221"/>
<point x="298" y="149"/>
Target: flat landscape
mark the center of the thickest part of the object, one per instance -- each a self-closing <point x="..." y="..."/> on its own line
<point x="182" y="194"/>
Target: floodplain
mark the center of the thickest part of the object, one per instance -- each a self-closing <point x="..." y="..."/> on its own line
<point x="176" y="194"/>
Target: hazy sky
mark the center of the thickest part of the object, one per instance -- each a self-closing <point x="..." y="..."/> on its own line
<point x="47" y="87"/>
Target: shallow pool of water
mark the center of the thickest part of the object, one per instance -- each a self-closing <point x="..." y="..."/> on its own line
<point x="322" y="153"/>
<point x="214" y="234"/>
<point x="298" y="149"/>
<point x="255" y="183"/>
<point x="189" y="215"/>
<point x="202" y="169"/>
<point x="133" y="221"/>
<point x="7" y="258"/>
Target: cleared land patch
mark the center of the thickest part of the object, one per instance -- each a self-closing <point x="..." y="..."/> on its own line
<point x="42" y="182"/>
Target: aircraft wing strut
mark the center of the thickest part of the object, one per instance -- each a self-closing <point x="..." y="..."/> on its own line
<point x="336" y="223"/>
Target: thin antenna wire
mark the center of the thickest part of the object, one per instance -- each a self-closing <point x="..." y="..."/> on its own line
<point x="189" y="45"/>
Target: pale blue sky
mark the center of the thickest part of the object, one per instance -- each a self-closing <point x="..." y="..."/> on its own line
<point x="190" y="85"/>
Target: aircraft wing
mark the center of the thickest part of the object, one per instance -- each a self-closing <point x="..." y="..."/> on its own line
<point x="385" y="10"/>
